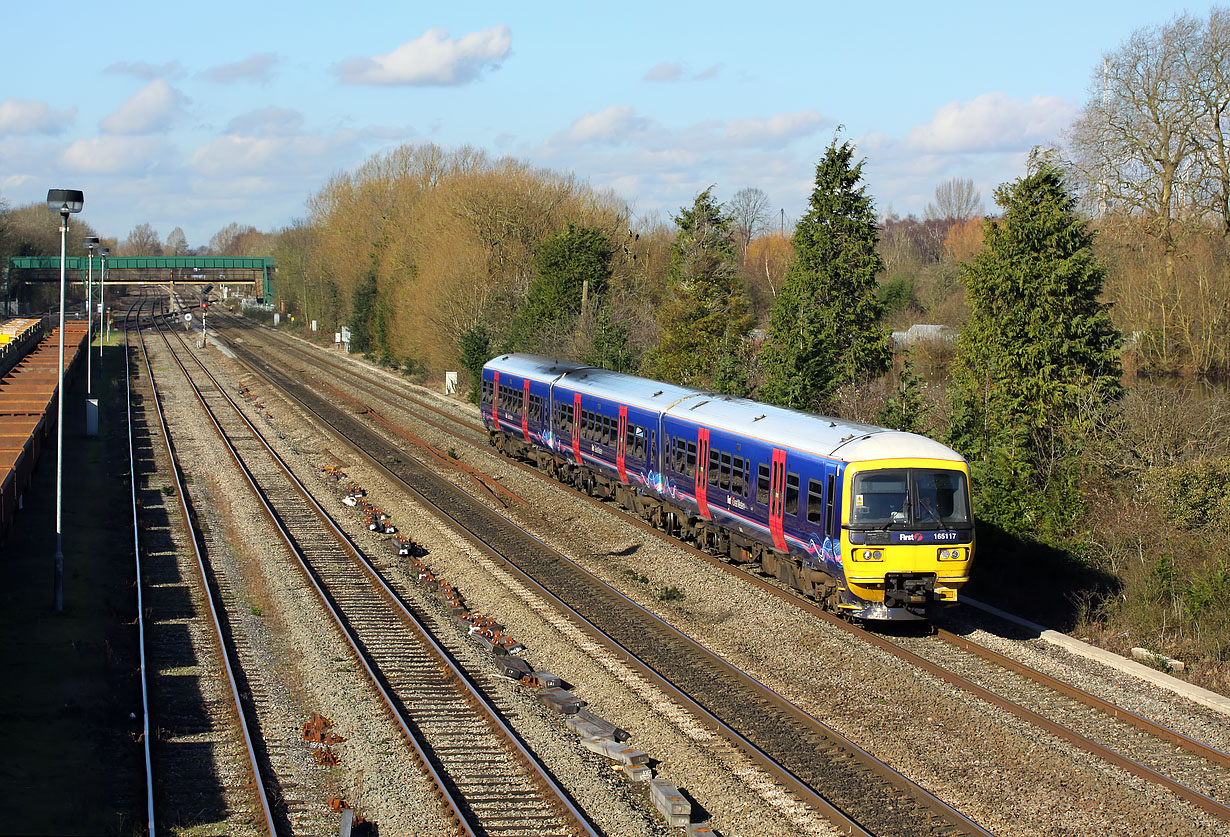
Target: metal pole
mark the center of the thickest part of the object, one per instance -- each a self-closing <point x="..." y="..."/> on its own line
<point x="102" y="309"/>
<point x="89" y="329"/>
<point x="59" y="573"/>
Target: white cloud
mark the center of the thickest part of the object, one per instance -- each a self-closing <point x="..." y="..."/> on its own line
<point x="270" y="121"/>
<point x="666" y="71"/>
<point x="24" y="116"/>
<point x="240" y="156"/>
<point x="616" y="124"/>
<point x="992" y="122"/>
<point x="433" y="59"/>
<point x="773" y="132"/>
<point x="114" y="155"/>
<point x="672" y="71"/>
<point x="151" y="109"/>
<point x="253" y="68"/>
<point x="144" y="70"/>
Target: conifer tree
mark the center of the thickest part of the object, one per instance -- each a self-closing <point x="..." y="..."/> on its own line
<point x="1036" y="358"/>
<point x="824" y="328"/>
<point x="706" y="306"/>
<point x="474" y="349"/>
<point x="563" y="265"/>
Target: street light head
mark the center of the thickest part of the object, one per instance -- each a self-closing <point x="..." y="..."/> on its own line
<point x="104" y="251"/>
<point x="65" y="201"/>
<point x="90" y="242"/>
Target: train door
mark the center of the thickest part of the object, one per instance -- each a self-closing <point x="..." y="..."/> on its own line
<point x="621" y="443"/>
<point x="777" y="498"/>
<point x="576" y="427"/>
<point x="702" y="471"/>
<point x="525" y="409"/>
<point x="495" y="401"/>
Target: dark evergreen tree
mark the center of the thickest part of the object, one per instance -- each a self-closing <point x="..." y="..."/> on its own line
<point x="563" y="265"/>
<point x="1037" y="358"/>
<point x="905" y="409"/>
<point x="706" y="306"/>
<point x="824" y="328"/>
<point x="367" y="316"/>
<point x="474" y="349"/>
<point x="609" y="347"/>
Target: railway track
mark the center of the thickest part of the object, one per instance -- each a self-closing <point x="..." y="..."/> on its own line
<point x="1203" y="799"/>
<point x="243" y="720"/>
<point x="858" y="792"/>
<point x="489" y="782"/>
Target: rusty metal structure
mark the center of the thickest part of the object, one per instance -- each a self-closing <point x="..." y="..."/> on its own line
<point x="28" y="359"/>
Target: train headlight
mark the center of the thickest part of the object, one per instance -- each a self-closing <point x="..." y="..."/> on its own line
<point x="956" y="553"/>
<point x="869" y="555"/>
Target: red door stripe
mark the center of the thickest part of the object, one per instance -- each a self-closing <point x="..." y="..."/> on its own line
<point x="621" y="444"/>
<point x="702" y="471"/>
<point x="525" y="410"/>
<point x="777" y="498"/>
<point x="576" y="427"/>
<point x="495" y="402"/>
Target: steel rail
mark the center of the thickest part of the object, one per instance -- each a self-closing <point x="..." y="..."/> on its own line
<point x="1196" y="798"/>
<point x="244" y="724"/>
<point x="1198" y="748"/>
<point x="801" y="788"/>
<point x="473" y="694"/>
<point x="136" y="551"/>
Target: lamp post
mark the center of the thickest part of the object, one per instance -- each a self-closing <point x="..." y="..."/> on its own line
<point x="103" y="252"/>
<point x="63" y="201"/>
<point x="91" y="242"/>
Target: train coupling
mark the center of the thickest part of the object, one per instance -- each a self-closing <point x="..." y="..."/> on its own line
<point x="912" y="591"/>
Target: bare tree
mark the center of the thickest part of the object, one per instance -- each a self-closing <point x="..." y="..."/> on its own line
<point x="956" y="199"/>
<point x="229" y="240"/>
<point x="143" y="241"/>
<point x="177" y="243"/>
<point x="1135" y="143"/>
<point x="749" y="215"/>
<point x="1207" y="76"/>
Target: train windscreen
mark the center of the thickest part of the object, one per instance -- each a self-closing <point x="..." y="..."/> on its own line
<point x="910" y="498"/>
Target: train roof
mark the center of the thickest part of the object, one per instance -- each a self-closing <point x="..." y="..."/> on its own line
<point x="645" y="393"/>
<point x="533" y="366"/>
<point x="831" y="437"/>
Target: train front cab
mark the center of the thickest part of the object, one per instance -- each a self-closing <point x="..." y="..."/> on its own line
<point x="907" y="536"/>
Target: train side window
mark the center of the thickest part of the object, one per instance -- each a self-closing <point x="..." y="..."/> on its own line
<point x="792" y="495"/>
<point x="762" y="484"/>
<point x="815" y="501"/>
<point x="689" y="462"/>
<point x="713" y="467"/>
<point x="738" y="476"/>
<point x="724" y="475"/>
<point x="606" y="430"/>
<point x="830" y="504"/>
<point x="681" y="456"/>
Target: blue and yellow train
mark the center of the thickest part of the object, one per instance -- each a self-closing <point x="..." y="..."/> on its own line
<point x="873" y="522"/>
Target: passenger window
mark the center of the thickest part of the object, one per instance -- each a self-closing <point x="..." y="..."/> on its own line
<point x="738" y="476"/>
<point x="689" y="464"/>
<point x="792" y="495"/>
<point x="713" y="468"/>
<point x="762" y="484"/>
<point x="724" y="476"/>
<point x="815" y="501"/>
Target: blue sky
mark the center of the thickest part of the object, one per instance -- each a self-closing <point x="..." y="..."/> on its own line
<point x="200" y="115"/>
